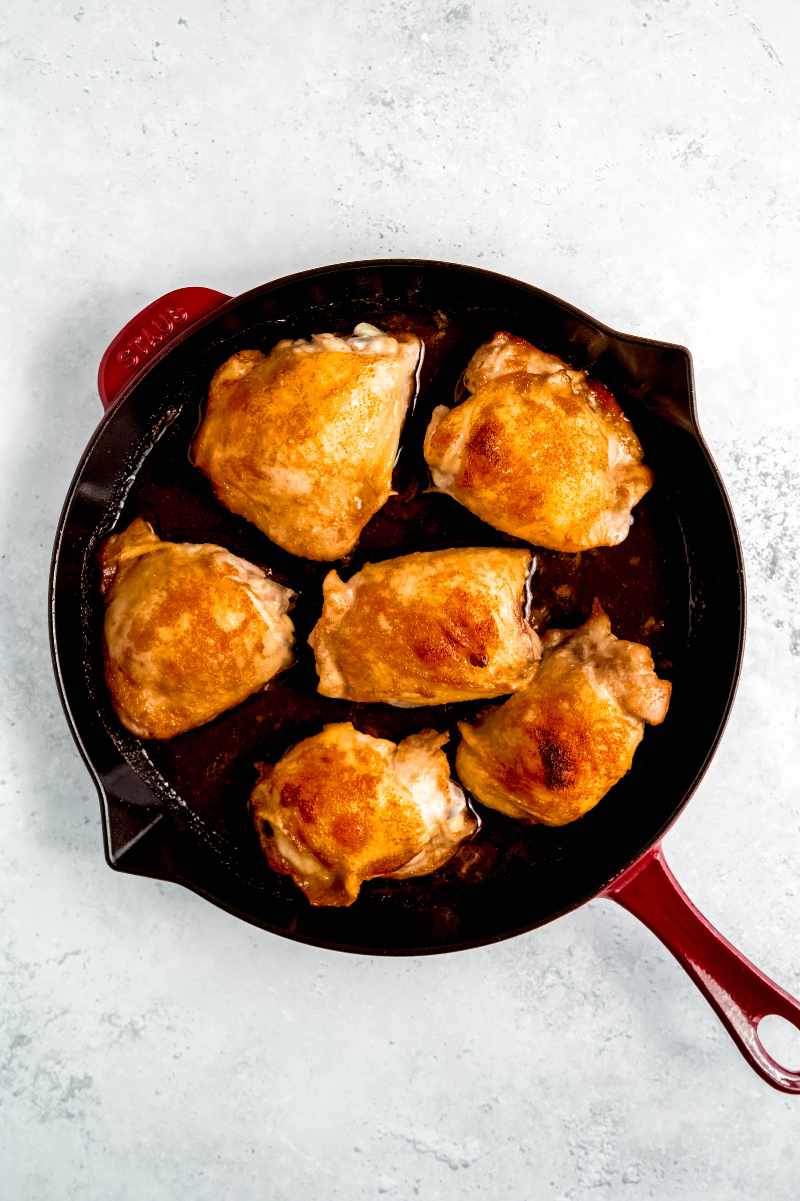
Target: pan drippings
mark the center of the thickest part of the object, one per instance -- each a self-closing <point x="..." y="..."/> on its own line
<point x="641" y="584"/>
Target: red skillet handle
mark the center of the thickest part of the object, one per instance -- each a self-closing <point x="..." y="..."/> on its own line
<point x="147" y="332"/>
<point x="738" y="991"/>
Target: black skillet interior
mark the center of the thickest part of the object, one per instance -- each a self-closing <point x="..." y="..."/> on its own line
<point x="177" y="810"/>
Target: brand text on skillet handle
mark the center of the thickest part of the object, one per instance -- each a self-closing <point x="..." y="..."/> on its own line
<point x="146" y="333"/>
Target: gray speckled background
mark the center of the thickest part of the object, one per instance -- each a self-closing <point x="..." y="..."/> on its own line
<point x="639" y="158"/>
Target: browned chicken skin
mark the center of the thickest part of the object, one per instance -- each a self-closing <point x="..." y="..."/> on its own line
<point x="551" y="752"/>
<point x="190" y="630"/>
<point x="302" y="441"/>
<point x="427" y="629"/>
<point x="538" y="450"/>
<point x="343" y="807"/>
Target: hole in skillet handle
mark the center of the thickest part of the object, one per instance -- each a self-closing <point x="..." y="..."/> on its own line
<point x="148" y="333"/>
<point x="742" y="996"/>
<point x="780" y="1040"/>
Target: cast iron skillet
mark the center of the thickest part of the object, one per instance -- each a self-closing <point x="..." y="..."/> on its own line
<point x="177" y="811"/>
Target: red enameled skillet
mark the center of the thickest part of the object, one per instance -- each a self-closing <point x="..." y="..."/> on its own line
<point x="176" y="811"/>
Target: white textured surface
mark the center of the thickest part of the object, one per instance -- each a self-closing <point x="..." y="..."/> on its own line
<point x="638" y="158"/>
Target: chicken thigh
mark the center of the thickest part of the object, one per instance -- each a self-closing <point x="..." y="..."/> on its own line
<point x="190" y="630"/>
<point x="302" y="441"/>
<point x="343" y="807"/>
<point x="427" y="628"/>
<point x="551" y="752"/>
<point x="538" y="450"/>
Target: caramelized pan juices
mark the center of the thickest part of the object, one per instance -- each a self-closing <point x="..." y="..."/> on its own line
<point x="634" y="581"/>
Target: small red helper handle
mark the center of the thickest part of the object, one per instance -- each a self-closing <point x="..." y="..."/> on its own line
<point x="147" y="333"/>
<point x="737" y="990"/>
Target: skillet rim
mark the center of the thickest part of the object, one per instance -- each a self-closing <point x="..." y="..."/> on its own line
<point x="164" y="816"/>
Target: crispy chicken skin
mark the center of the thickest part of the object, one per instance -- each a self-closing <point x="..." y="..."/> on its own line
<point x="538" y="450"/>
<point x="190" y="630"/>
<point x="302" y="441"/>
<point x="551" y="752"/>
<point x="427" y="629"/>
<point x="343" y="807"/>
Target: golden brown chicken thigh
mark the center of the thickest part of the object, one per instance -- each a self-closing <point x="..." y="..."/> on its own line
<point x="538" y="450"/>
<point x="302" y="441"/>
<point x="343" y="807"/>
<point x="190" y="630"/>
<point x="551" y="752"/>
<point x="427" y="628"/>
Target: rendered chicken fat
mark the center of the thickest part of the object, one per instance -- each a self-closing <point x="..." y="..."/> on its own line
<point x="343" y="807"/>
<point x="302" y="441"/>
<point x="551" y="752"/>
<point x="538" y="450"/>
<point x="190" y="630"/>
<point x="428" y="629"/>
